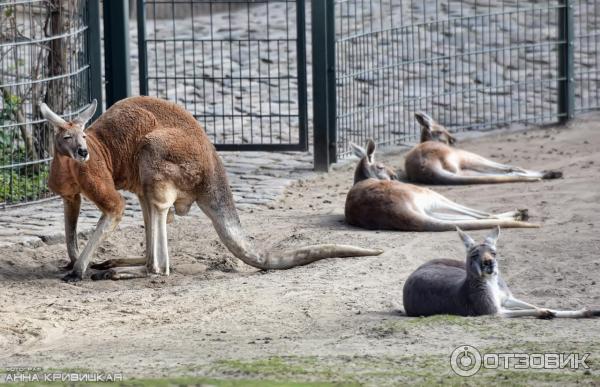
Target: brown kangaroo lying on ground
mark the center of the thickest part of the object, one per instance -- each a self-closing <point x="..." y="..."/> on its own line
<point x="434" y="161"/>
<point x="471" y="288"/>
<point x="378" y="201"/>
<point x="158" y="151"/>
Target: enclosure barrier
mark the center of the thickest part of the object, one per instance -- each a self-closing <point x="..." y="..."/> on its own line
<point x="470" y="64"/>
<point x="44" y="57"/>
<point x="240" y="67"/>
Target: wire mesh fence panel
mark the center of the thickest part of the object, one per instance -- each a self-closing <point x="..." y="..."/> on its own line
<point x="238" y="66"/>
<point x="42" y="58"/>
<point x="469" y="64"/>
<point x="587" y="54"/>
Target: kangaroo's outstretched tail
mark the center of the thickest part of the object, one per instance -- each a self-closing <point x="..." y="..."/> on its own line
<point x="432" y="224"/>
<point x="227" y="224"/>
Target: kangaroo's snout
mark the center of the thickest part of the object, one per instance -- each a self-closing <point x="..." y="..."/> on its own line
<point x="489" y="266"/>
<point x="83" y="154"/>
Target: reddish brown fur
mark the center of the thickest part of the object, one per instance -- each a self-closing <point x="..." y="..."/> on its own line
<point x="433" y="161"/>
<point x="158" y="151"/>
<point x="379" y="202"/>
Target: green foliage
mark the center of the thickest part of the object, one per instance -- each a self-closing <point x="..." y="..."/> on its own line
<point x="11" y="104"/>
<point x="16" y="186"/>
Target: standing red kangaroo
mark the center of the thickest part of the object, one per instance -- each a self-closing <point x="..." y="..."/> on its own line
<point x="158" y="151"/>
<point x="434" y="161"/>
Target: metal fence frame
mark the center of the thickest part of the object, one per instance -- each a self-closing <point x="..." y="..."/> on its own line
<point x="572" y="41"/>
<point x="227" y="81"/>
<point x="352" y="49"/>
<point x="51" y="61"/>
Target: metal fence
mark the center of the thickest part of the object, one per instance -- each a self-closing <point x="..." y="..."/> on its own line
<point x="238" y="66"/>
<point x="470" y="64"/>
<point x="43" y="57"/>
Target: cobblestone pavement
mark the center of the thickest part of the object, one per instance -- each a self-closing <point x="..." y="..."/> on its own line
<point x="257" y="179"/>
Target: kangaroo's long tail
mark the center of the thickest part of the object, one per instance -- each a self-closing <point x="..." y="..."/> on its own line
<point x="221" y="210"/>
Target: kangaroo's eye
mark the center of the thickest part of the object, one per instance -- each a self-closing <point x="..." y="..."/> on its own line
<point x="68" y="137"/>
<point x="84" y="136"/>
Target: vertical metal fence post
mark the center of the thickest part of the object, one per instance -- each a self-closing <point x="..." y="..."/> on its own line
<point x="321" y="108"/>
<point x="116" y="51"/>
<point x="302" y="85"/>
<point x="141" y="27"/>
<point x="95" y="54"/>
<point x="566" y="84"/>
<point x="331" y="92"/>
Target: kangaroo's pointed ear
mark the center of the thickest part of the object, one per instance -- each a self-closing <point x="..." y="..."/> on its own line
<point x="358" y="150"/>
<point x="52" y="117"/>
<point x="424" y="119"/>
<point x="87" y="113"/>
<point x="492" y="238"/>
<point x="370" y="150"/>
<point x="467" y="240"/>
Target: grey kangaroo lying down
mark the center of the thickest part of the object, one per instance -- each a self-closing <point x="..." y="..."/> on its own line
<point x="435" y="161"/>
<point x="471" y="288"/>
<point x="378" y="201"/>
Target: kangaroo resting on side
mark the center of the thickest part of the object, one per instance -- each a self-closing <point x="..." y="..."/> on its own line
<point x="378" y="201"/>
<point x="471" y="288"/>
<point x="158" y="151"/>
<point x="434" y="161"/>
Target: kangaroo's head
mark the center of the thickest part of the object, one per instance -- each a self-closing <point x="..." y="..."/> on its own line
<point x="367" y="168"/>
<point x="432" y="131"/>
<point x="481" y="258"/>
<point x="69" y="136"/>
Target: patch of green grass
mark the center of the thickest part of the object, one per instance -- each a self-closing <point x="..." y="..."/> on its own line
<point x="414" y="369"/>
<point x="183" y="382"/>
<point x="273" y="368"/>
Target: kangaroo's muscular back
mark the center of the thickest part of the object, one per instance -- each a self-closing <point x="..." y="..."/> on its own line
<point x="125" y="128"/>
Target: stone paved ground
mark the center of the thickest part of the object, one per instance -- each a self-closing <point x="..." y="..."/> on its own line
<point x="257" y="179"/>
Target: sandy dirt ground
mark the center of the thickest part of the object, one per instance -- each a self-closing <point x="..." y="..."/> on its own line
<point x="337" y="320"/>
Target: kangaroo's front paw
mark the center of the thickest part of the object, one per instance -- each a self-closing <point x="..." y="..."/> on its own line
<point x="546" y="314"/>
<point x="72" y="277"/>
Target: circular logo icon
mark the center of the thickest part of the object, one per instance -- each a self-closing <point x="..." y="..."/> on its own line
<point x="465" y="360"/>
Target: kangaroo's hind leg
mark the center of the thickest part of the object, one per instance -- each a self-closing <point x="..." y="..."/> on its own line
<point x="515" y="305"/>
<point x="444" y="207"/>
<point x="442" y="204"/>
<point x="479" y="163"/>
<point x="474" y="162"/>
